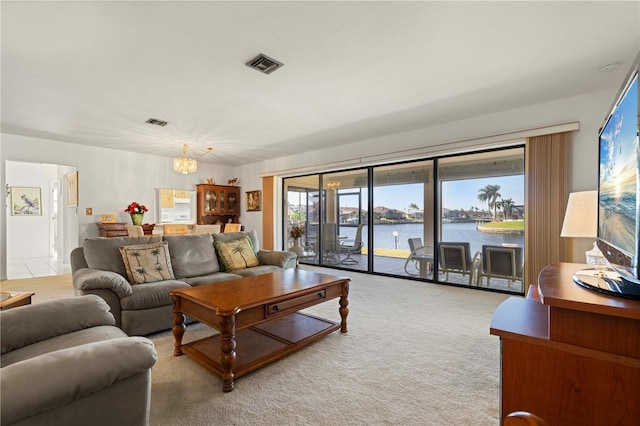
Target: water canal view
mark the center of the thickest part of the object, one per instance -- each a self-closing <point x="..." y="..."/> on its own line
<point x="465" y="231"/>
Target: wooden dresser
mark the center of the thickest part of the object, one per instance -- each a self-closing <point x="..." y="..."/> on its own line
<point x="573" y="359"/>
<point x="118" y="229"/>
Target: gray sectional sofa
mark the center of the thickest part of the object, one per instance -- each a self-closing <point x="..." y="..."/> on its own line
<point x="65" y="363"/>
<point x="134" y="275"/>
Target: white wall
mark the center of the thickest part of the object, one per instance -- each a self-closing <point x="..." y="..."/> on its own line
<point x="28" y="236"/>
<point x="109" y="179"/>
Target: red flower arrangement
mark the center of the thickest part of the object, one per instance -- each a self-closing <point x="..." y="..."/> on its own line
<point x="136" y="208"/>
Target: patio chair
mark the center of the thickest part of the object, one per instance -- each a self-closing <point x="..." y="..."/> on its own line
<point x="501" y="262"/>
<point x="354" y="247"/>
<point x="456" y="258"/>
<point x="419" y="258"/>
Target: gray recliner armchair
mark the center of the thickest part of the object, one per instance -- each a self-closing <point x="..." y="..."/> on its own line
<point x="64" y="362"/>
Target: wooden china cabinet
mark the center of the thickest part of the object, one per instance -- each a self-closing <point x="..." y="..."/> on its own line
<point x="218" y="204"/>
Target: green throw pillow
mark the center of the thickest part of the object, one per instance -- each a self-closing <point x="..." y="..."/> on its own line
<point x="236" y="254"/>
<point x="147" y="263"/>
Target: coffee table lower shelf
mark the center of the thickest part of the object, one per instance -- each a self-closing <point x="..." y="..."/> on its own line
<point x="262" y="343"/>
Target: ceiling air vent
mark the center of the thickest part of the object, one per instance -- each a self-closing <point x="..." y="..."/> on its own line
<point x="157" y="122"/>
<point x="264" y="64"/>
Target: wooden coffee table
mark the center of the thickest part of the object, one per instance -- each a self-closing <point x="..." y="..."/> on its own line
<point x="13" y="299"/>
<point x="257" y="315"/>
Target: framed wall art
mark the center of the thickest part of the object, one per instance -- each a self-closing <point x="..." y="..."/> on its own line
<point x="254" y="202"/>
<point x="26" y="201"/>
<point x="72" y="189"/>
<point x="108" y="218"/>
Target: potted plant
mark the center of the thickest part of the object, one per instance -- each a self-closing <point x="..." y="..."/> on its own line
<point x="136" y="211"/>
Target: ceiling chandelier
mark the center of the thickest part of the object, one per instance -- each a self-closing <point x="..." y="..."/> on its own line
<point x="333" y="185"/>
<point x="186" y="165"/>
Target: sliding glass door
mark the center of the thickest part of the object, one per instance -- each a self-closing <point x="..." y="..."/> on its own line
<point x="456" y="219"/>
<point x="344" y="241"/>
<point x="481" y="213"/>
<point x="402" y="219"/>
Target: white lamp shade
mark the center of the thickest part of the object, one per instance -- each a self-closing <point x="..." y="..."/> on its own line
<point x="581" y="217"/>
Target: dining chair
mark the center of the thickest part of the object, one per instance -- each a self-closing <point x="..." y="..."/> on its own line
<point x="207" y="229"/>
<point x="455" y="257"/>
<point x="501" y="262"/>
<point x="232" y="227"/>
<point x="135" y="230"/>
<point x="174" y="229"/>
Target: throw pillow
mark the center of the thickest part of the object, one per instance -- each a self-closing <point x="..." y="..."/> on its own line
<point x="147" y="263"/>
<point x="104" y="253"/>
<point x="236" y="254"/>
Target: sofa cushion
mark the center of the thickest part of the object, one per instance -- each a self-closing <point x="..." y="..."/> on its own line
<point x="257" y="270"/>
<point x="104" y="253"/>
<point x="151" y="295"/>
<point x="192" y="255"/>
<point x="216" y="277"/>
<point x="147" y="263"/>
<point x="236" y="254"/>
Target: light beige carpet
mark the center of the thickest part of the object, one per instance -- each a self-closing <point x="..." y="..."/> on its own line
<point x="415" y="354"/>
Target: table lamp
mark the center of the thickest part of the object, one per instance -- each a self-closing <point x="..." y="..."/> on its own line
<point x="580" y="221"/>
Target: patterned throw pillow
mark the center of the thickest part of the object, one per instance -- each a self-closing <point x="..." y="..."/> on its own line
<point x="236" y="254"/>
<point x="147" y="263"/>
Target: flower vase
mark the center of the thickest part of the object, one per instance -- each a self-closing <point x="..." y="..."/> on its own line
<point x="297" y="248"/>
<point x="136" y="218"/>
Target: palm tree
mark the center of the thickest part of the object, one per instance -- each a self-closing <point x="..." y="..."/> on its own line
<point x="507" y="207"/>
<point x="496" y="195"/>
<point x="497" y="205"/>
<point x="490" y="195"/>
<point x="414" y="207"/>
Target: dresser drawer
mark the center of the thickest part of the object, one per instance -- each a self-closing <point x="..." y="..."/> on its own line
<point x="296" y="303"/>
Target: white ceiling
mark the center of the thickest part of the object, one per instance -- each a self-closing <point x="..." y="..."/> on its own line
<point x="93" y="72"/>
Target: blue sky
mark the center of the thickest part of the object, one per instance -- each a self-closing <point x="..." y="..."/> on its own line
<point x="459" y="194"/>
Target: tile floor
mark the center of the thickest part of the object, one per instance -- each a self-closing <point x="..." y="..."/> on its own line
<point x="36" y="267"/>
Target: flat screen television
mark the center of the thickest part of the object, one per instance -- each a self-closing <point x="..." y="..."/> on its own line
<point x="618" y="232"/>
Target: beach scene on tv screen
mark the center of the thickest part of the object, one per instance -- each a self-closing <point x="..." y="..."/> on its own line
<point x="619" y="162"/>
